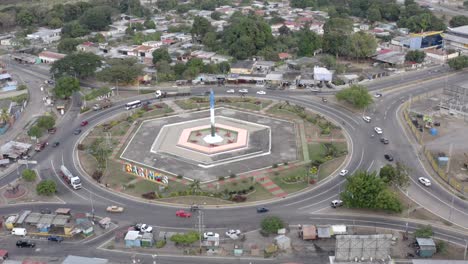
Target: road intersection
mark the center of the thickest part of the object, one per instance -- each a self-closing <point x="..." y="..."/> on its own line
<point x="367" y="154"/>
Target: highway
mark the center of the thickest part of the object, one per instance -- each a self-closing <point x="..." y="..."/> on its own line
<point x="367" y="154"/>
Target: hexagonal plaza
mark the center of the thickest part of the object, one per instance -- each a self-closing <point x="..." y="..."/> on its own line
<point x="176" y="144"/>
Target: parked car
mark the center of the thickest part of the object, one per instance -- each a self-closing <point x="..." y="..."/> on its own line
<point x="84" y="123"/>
<point x="384" y="140"/>
<point x="343" y="172"/>
<point x="230" y="91"/>
<point x="55" y="144"/>
<point x="144" y="228"/>
<point x="261" y="92"/>
<point x="336" y="203"/>
<point x="388" y="157"/>
<point x="262" y="210"/>
<point x="424" y="181"/>
<point x="57" y="239"/>
<point x="77" y="131"/>
<point x="378" y="130"/>
<point x="232" y="232"/>
<point x="206" y="235"/>
<point x="184" y="214"/>
<point x="25" y="243"/>
<point x="367" y="118"/>
<point x="243" y="91"/>
<point x="115" y="209"/>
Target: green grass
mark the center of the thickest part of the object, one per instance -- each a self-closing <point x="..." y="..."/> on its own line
<point x="316" y="151"/>
<point x="159" y="111"/>
<point x="250" y="105"/>
<point x="283" y="112"/>
<point x="328" y="167"/>
<point x="259" y="194"/>
<point x="94" y="93"/>
<point x="341" y="146"/>
<point x="291" y="187"/>
<point x="190" y="104"/>
<point x="115" y="176"/>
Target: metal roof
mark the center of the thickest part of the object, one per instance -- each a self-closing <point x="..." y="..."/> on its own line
<point x="425" y="241"/>
<point x="80" y="260"/>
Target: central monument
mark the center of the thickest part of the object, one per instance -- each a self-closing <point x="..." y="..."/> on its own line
<point x="213" y="138"/>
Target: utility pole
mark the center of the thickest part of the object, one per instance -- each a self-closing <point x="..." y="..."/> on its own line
<point x="200" y="228"/>
<point x="466" y="246"/>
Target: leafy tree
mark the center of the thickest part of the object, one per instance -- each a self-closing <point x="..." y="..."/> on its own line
<point x="165" y="73"/>
<point x="200" y="27"/>
<point x="303" y="3"/>
<point x="97" y="18"/>
<point x="363" y="45"/>
<point x="216" y="15"/>
<point x="416" y="56"/>
<point x="284" y="30"/>
<point x="24" y="18"/>
<point x="246" y="35"/>
<point x="29" y="175"/>
<point x="458" y="21"/>
<point x="161" y="54"/>
<point x="81" y="64"/>
<point x="187" y="238"/>
<point x="46" y="122"/>
<point x="149" y="24"/>
<point x="424" y="232"/>
<point x="211" y="41"/>
<point x="269" y="53"/>
<point x="271" y="224"/>
<point x="98" y="38"/>
<point x="4" y="116"/>
<point x="166" y="5"/>
<point x="35" y="131"/>
<point x="374" y="15"/>
<point x="46" y="187"/>
<point x="73" y="30"/>
<point x="365" y="190"/>
<point x="357" y="95"/>
<point x="123" y="71"/>
<point x="458" y="63"/>
<point x="224" y="67"/>
<point x="68" y="45"/>
<point x="441" y="247"/>
<point x="55" y="23"/>
<point x="66" y="86"/>
<point x="195" y="187"/>
<point x="465" y="4"/>
<point x="308" y="42"/>
<point x="7" y="20"/>
<point x="336" y="43"/>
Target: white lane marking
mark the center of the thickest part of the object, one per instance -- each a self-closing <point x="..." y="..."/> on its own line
<point x="310" y="205"/>
<point x="360" y="161"/>
<point x="66" y="185"/>
<point x="94" y="194"/>
<point x="370" y="166"/>
<point x="312" y="197"/>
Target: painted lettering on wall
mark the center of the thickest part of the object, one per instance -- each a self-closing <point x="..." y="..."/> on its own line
<point x="149" y="175"/>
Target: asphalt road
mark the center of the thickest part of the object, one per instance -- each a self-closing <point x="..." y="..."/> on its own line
<point x="301" y="208"/>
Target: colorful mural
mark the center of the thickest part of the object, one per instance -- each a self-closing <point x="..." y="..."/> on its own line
<point x="147" y="174"/>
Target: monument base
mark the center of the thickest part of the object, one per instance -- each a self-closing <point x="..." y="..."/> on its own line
<point x="213" y="140"/>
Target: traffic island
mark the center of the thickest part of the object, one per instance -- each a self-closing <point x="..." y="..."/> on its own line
<point x="261" y="155"/>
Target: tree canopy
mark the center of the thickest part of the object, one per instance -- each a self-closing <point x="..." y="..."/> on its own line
<point x="366" y="190"/>
<point x="458" y="63"/>
<point x="271" y="224"/>
<point x="46" y="122"/>
<point x="29" y="175"/>
<point x="68" y="45"/>
<point x="185" y="239"/>
<point x="363" y="45"/>
<point x="246" y="35"/>
<point x="46" y="187"/>
<point x="97" y="18"/>
<point x="396" y="176"/>
<point x="308" y="42"/>
<point x="83" y="64"/>
<point x="416" y="56"/>
<point x="357" y="95"/>
<point x="458" y="21"/>
<point x="200" y="27"/>
<point x="74" y="29"/>
<point x="123" y="71"/>
<point x="161" y="54"/>
<point x="66" y="86"/>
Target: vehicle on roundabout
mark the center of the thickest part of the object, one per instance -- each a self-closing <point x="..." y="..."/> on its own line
<point x="25" y="243"/>
<point x="55" y="144"/>
<point x="388" y="157"/>
<point x="377" y="95"/>
<point x="336" y="203"/>
<point x="384" y="140"/>
<point x="183" y="214"/>
<point x="115" y="209"/>
<point x="343" y="172"/>
<point x="243" y="91"/>
<point x="207" y="235"/>
<point x="231" y="91"/>
<point x="233" y="232"/>
<point x="84" y="123"/>
<point x="262" y="210"/>
<point x="77" y="131"/>
<point x="378" y="130"/>
<point x="57" y="239"/>
<point x="424" y="181"/>
<point x="261" y="92"/>
<point x="367" y="118"/>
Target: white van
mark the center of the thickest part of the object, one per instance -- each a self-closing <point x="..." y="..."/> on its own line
<point x="19" y="231"/>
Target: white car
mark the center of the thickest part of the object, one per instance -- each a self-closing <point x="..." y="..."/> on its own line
<point x="424" y="181"/>
<point x="144" y="228"/>
<point x="206" y="235"/>
<point x="378" y="130"/>
<point x="232" y="232"/>
<point x="261" y="92"/>
<point x="336" y="203"/>
<point x="367" y="118"/>
<point x="243" y="91"/>
<point x="343" y="172"/>
<point x="377" y="95"/>
<point x="231" y="91"/>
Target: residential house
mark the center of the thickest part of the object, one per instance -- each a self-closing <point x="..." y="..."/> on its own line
<point x="322" y="74"/>
<point x="88" y="47"/>
<point x="317" y="27"/>
<point x="143" y="51"/>
<point x="45" y="35"/>
<point x="132" y="239"/>
<point x="203" y="55"/>
<point x="242" y="67"/>
<point x="50" y="57"/>
<point x="392" y="58"/>
<point x="284" y="55"/>
<point x="457" y="39"/>
<point x="220" y="58"/>
<point x="263" y="66"/>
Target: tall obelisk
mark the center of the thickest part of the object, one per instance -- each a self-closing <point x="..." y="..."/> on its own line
<point x="212" y="114"/>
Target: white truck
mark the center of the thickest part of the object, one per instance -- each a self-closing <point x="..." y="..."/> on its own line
<point x="73" y="181"/>
<point x="180" y="92"/>
<point x="101" y="105"/>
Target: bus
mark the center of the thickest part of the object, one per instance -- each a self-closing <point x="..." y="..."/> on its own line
<point x="133" y="104"/>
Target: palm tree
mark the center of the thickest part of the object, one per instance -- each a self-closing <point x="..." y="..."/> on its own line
<point x="4" y="116"/>
<point x="195" y="186"/>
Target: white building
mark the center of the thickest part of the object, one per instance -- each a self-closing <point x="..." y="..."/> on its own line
<point x="45" y="35"/>
<point x="457" y="39"/>
<point x="322" y="74"/>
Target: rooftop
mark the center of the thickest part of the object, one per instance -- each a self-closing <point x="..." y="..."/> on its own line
<point x="460" y="30"/>
<point x="80" y="260"/>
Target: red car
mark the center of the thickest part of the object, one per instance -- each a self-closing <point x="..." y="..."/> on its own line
<point x="84" y="123"/>
<point x="182" y="213"/>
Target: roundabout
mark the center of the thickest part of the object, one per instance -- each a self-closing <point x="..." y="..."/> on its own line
<point x="295" y="209"/>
